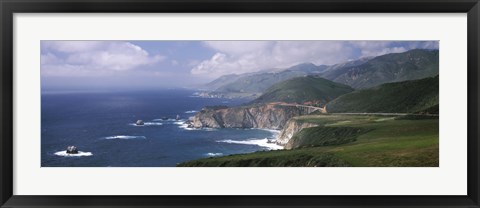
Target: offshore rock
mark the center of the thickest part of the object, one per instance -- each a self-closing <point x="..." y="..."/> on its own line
<point x="139" y="123"/>
<point x="72" y="150"/>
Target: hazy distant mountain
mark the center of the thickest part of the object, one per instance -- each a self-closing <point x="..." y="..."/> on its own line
<point x="399" y="97"/>
<point x="259" y="82"/>
<point x="394" y="67"/>
<point x="312" y="89"/>
<point x="346" y="64"/>
<point x="361" y="73"/>
<point x="223" y="80"/>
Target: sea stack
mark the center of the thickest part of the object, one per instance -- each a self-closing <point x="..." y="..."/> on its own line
<point x="72" y="150"/>
<point x="140" y="123"/>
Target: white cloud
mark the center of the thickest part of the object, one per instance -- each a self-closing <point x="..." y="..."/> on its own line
<point x="192" y="63"/>
<point x="250" y="56"/>
<point x="213" y="65"/>
<point x="49" y="58"/>
<point x="174" y="62"/>
<point x="377" y="48"/>
<point x="93" y="57"/>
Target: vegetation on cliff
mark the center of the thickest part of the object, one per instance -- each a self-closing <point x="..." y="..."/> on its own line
<point x="325" y="136"/>
<point x="304" y="89"/>
<point x="399" y="97"/>
<point x="382" y="141"/>
<point x="393" y="67"/>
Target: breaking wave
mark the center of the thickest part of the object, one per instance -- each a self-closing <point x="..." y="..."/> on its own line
<point x="191" y="111"/>
<point x="124" y="137"/>
<point x="214" y="154"/>
<point x="259" y="142"/>
<point x="183" y="125"/>
<point x="275" y="133"/>
<point x="147" y="124"/>
<point x="161" y="119"/>
<point x="79" y="154"/>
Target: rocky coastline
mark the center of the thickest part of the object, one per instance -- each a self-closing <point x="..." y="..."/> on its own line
<point x="267" y="116"/>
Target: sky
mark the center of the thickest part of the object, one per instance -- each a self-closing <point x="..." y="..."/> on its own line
<point x="105" y="65"/>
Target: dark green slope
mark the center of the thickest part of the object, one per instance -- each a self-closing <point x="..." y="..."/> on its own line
<point x="303" y="89"/>
<point x="394" y="67"/>
<point x="400" y="97"/>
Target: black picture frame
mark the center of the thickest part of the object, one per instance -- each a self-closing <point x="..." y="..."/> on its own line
<point x="10" y="7"/>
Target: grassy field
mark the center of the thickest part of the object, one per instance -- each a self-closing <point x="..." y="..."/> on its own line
<point x="368" y="141"/>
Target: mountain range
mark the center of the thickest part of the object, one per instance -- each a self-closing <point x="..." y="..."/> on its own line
<point x="372" y="112"/>
<point x="359" y="74"/>
<point x="394" y="67"/>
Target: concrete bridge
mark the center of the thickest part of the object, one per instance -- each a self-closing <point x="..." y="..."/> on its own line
<point x="311" y="109"/>
<point x="306" y="108"/>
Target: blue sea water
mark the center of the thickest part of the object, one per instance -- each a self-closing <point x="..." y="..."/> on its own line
<point x="102" y="126"/>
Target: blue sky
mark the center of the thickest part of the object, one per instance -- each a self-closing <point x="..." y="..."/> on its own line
<point x="170" y="64"/>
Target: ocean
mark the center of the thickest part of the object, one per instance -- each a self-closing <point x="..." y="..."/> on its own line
<point x="102" y="126"/>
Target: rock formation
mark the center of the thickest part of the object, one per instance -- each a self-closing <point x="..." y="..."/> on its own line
<point x="293" y="126"/>
<point x="72" y="150"/>
<point x="269" y="116"/>
<point x="140" y="123"/>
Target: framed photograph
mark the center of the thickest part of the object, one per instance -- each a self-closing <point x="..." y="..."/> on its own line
<point x="268" y="103"/>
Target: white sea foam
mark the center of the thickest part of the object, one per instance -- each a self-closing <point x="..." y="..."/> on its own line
<point x="208" y="129"/>
<point x="184" y="126"/>
<point x="79" y="154"/>
<point x="259" y="142"/>
<point x="168" y="119"/>
<point x="147" y="124"/>
<point x="273" y="131"/>
<point x="124" y="137"/>
<point x="191" y="111"/>
<point x="152" y="124"/>
<point x="181" y="124"/>
<point x="214" y="154"/>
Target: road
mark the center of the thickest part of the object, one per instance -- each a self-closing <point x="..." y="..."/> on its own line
<point x="379" y="114"/>
<point x="387" y="114"/>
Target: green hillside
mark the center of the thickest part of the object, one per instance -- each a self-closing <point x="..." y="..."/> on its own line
<point x="400" y="97"/>
<point x="394" y="67"/>
<point x="325" y="136"/>
<point x="303" y="89"/>
<point x="353" y="140"/>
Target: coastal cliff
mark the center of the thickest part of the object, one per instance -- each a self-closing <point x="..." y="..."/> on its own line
<point x="291" y="128"/>
<point x="269" y="116"/>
